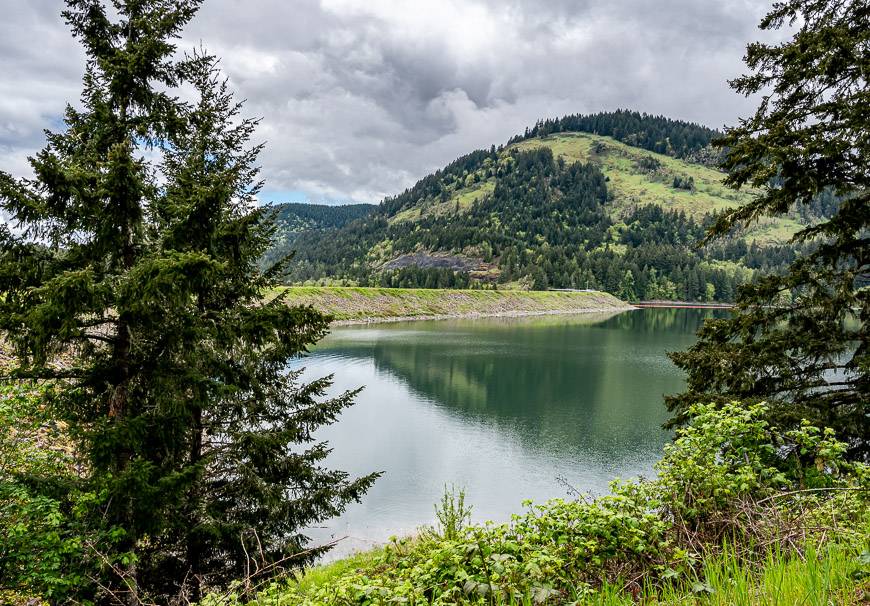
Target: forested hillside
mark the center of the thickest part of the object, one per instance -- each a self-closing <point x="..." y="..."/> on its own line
<point x="291" y="219"/>
<point x="617" y="201"/>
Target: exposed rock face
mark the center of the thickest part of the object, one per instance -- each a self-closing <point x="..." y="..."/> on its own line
<point x="424" y="260"/>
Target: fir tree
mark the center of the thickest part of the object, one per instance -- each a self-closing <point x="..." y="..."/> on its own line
<point x="627" y="291"/>
<point x="800" y="340"/>
<point x="145" y="272"/>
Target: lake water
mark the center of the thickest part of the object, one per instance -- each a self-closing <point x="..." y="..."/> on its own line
<point x="509" y="409"/>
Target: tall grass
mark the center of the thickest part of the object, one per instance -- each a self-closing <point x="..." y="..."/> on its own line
<point x="831" y="577"/>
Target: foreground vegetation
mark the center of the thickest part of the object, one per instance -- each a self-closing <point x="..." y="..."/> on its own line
<point x="172" y="455"/>
<point x="831" y="577"/>
<point x="740" y="513"/>
<point x="362" y="304"/>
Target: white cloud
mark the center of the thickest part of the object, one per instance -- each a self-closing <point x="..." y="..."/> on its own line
<point x="360" y="98"/>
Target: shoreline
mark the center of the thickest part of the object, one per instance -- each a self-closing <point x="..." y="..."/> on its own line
<point x="370" y="305"/>
<point x="479" y="315"/>
<point x="682" y="305"/>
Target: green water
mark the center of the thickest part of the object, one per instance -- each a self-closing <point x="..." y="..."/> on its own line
<point x="510" y="409"/>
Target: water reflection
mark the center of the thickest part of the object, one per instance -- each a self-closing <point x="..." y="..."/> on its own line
<point x="501" y="406"/>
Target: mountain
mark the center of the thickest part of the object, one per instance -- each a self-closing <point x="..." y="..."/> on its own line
<point x="292" y="219"/>
<point x="617" y="201"/>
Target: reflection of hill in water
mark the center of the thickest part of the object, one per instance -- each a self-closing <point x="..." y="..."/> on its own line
<point x="671" y="319"/>
<point x="579" y="383"/>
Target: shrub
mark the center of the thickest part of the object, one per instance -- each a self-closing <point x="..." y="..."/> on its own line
<point x="727" y="479"/>
<point x="730" y="473"/>
<point x="453" y="514"/>
<point x="41" y="549"/>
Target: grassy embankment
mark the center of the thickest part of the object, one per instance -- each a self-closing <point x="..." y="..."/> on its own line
<point x="357" y="304"/>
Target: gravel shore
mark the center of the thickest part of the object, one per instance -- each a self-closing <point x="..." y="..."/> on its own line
<point x="474" y="315"/>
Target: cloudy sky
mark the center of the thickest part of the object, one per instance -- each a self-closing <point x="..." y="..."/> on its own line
<point x="360" y="98"/>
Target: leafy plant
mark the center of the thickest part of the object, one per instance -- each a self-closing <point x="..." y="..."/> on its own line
<point x="453" y="514"/>
<point x="725" y="471"/>
<point x="43" y="506"/>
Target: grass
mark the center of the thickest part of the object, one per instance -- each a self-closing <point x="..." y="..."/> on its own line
<point x="350" y="303"/>
<point x="468" y="196"/>
<point x="774" y="230"/>
<point x="316" y="576"/>
<point x="818" y="579"/>
<point x="632" y="186"/>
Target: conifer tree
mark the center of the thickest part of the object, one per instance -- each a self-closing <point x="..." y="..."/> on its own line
<point x="135" y="253"/>
<point x="627" y="291"/>
<point x="800" y="340"/>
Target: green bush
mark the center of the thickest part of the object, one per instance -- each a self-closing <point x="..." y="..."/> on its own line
<point x="52" y="542"/>
<point x="728" y="454"/>
<point x="37" y="547"/>
<point x="726" y="470"/>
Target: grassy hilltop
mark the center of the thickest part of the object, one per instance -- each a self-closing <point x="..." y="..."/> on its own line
<point x="632" y="185"/>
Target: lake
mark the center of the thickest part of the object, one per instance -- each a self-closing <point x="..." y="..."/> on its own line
<point x="508" y="409"/>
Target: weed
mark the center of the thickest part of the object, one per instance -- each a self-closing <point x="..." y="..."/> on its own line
<point x="453" y="514"/>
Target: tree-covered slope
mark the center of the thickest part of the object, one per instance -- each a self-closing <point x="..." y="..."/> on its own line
<point x="296" y="217"/>
<point x="292" y="219"/>
<point x="622" y="208"/>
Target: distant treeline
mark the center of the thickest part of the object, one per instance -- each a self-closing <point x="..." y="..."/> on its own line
<point x="654" y="133"/>
<point x="424" y="277"/>
<point x="293" y="218"/>
<point x="320" y="215"/>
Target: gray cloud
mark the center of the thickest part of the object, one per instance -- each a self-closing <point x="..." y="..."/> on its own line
<point x="360" y="98"/>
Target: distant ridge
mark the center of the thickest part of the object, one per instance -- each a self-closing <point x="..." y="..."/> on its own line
<point x="319" y="216"/>
<point x="616" y="201"/>
<point x="294" y="218"/>
<point x="659" y="134"/>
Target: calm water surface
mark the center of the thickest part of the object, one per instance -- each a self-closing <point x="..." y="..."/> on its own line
<point x="510" y="409"/>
